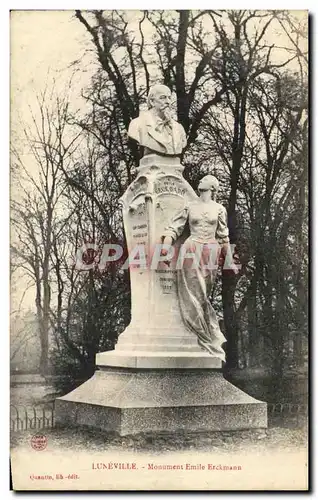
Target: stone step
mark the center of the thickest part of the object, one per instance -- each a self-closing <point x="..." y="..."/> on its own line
<point x="158" y="360"/>
<point x="158" y="347"/>
<point x="176" y="340"/>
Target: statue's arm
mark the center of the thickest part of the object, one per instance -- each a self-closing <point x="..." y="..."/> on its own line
<point x="176" y="226"/>
<point x="222" y="230"/>
<point x="222" y="235"/>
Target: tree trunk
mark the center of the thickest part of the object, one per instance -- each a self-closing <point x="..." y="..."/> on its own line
<point x="45" y="328"/>
<point x="301" y="299"/>
<point x="253" y="333"/>
<point x="230" y="323"/>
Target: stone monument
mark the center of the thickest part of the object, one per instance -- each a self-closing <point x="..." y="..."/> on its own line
<point x="164" y="374"/>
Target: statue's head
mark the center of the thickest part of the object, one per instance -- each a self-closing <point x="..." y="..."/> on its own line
<point x="209" y="183"/>
<point x="159" y="97"/>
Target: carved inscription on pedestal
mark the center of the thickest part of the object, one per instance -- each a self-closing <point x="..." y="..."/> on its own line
<point x="167" y="280"/>
<point x="170" y="184"/>
<point x="139" y="230"/>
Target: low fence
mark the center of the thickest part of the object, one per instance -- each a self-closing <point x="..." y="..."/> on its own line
<point x="287" y="408"/>
<point x="292" y="415"/>
<point x="23" y="418"/>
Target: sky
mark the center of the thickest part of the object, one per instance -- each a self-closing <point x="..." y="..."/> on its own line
<point x="43" y="45"/>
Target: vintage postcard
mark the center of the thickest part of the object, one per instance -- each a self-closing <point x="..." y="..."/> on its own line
<point x="159" y="250"/>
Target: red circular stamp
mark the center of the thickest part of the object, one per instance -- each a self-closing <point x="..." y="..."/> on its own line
<point x="39" y="442"/>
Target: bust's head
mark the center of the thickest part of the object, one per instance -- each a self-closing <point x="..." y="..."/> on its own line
<point x="159" y="97"/>
<point x="209" y="183"/>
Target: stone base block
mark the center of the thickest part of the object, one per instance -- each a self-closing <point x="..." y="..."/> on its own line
<point x="153" y="360"/>
<point x="140" y="401"/>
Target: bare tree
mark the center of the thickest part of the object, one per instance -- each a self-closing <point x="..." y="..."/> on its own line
<point x="35" y="210"/>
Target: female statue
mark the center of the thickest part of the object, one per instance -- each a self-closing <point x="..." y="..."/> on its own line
<point x="209" y="233"/>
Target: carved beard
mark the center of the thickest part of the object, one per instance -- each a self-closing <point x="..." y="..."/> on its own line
<point x="167" y="114"/>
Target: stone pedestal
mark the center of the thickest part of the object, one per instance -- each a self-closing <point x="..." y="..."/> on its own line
<point x="157" y="378"/>
<point x="131" y="401"/>
<point x="158" y="193"/>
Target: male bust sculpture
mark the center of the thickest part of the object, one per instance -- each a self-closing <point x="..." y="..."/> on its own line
<point x="154" y="129"/>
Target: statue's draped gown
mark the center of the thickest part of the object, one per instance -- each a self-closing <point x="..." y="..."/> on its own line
<point x="208" y="229"/>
